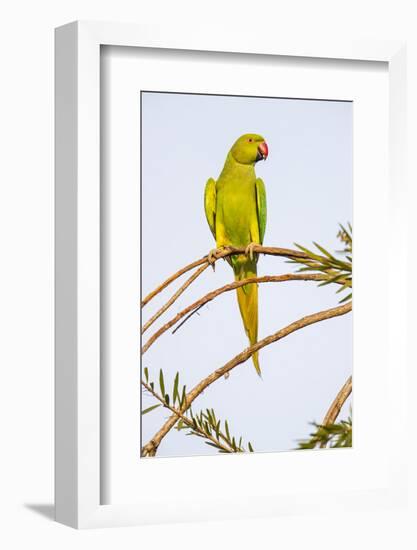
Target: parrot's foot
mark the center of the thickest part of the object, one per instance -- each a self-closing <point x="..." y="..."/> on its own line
<point x="249" y="250"/>
<point x="213" y="256"/>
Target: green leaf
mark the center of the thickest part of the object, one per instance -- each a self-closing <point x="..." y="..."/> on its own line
<point x="333" y="435"/>
<point x="226" y="425"/>
<point x="323" y="251"/>
<point x="161" y="382"/>
<point x="307" y="268"/>
<point x="149" y="409"/>
<point x="212" y="445"/>
<point x="175" y="394"/>
<point x="218" y="429"/>
<point x="334" y="279"/>
<point x="250" y="447"/>
<point x="347" y="233"/>
<point x="342" y="288"/>
<point x="167" y="399"/>
<point x="145" y="370"/>
<point x="309" y="252"/>
<point x="183" y="396"/>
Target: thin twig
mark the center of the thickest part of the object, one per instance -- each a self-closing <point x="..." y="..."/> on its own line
<point x="223" y="253"/>
<point x="171" y="279"/>
<point x="227" y="288"/>
<point x="151" y="447"/>
<point x="174" y="297"/>
<point x="190" y="423"/>
<point x="186" y="318"/>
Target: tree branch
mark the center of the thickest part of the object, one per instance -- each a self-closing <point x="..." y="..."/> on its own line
<point x="190" y="423"/>
<point x="151" y="447"/>
<point x="338" y="403"/>
<point x="227" y="288"/>
<point x="174" y="297"/>
<point x="223" y="253"/>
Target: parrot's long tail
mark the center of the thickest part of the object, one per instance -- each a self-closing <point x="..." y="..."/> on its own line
<point x="247" y="297"/>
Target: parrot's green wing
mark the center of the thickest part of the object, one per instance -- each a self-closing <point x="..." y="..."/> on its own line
<point x="261" y="207"/>
<point x="210" y="204"/>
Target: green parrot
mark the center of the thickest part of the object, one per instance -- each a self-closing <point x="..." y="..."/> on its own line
<point x="235" y="207"/>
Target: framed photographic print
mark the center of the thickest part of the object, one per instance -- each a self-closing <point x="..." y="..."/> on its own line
<point x="208" y="192"/>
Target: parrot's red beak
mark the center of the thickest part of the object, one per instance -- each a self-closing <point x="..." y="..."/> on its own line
<point x="262" y="151"/>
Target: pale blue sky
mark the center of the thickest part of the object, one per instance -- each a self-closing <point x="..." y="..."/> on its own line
<point x="308" y="179"/>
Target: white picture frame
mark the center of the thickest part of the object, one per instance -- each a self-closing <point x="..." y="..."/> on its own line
<point x="78" y="480"/>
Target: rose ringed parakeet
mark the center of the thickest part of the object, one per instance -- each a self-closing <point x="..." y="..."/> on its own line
<point x="235" y="207"/>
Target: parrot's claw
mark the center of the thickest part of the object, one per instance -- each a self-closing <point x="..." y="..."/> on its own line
<point x="213" y="256"/>
<point x="249" y="250"/>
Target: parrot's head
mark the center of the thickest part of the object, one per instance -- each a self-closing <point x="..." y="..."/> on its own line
<point x="249" y="148"/>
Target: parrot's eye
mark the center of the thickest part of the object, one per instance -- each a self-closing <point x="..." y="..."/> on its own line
<point x="250" y="140"/>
